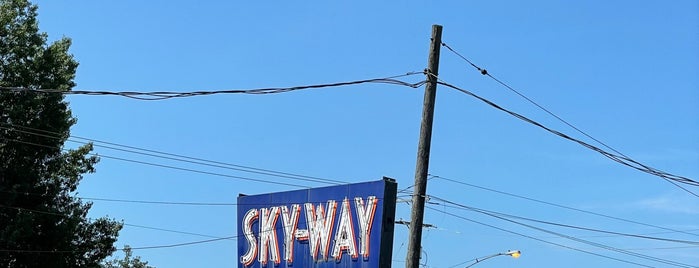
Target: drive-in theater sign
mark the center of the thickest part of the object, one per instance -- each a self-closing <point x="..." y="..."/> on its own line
<point x="339" y="226"/>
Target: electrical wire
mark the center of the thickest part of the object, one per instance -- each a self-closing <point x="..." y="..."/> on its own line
<point x="485" y="72"/>
<point x="617" y="158"/>
<point x="213" y="238"/>
<point x="174" y="231"/>
<point x="171" y="156"/>
<point x="599" y="245"/>
<point x="492" y="213"/>
<point x="562" y="206"/>
<point x="123" y="223"/>
<point x="162" y="95"/>
<point x="167" y="166"/>
<point x="185" y="244"/>
<point x="157" y="202"/>
<point x="538" y="239"/>
<point x="123" y="249"/>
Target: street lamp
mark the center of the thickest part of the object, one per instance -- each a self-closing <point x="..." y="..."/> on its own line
<point x="514" y="253"/>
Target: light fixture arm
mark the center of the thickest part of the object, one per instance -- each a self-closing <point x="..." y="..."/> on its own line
<point x="513" y="253"/>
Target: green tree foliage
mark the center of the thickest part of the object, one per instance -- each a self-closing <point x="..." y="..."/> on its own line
<point x="42" y="224"/>
<point x="128" y="261"/>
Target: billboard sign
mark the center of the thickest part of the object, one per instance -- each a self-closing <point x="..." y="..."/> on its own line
<point x="337" y="226"/>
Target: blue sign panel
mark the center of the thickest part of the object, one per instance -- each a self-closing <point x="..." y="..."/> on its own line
<point x="338" y="226"/>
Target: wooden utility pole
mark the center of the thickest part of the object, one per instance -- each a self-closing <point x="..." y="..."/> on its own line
<point x="423" y="152"/>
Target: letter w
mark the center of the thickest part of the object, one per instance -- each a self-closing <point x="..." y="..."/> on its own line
<point x="320" y="225"/>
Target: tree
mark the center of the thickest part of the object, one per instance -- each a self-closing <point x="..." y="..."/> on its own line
<point x="128" y="261"/>
<point x="41" y="223"/>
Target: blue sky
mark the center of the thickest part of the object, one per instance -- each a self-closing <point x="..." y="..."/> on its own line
<point x="625" y="72"/>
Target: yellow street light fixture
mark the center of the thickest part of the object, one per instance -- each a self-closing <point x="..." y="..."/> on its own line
<point x="513" y="253"/>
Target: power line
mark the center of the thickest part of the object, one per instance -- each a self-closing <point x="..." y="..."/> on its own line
<point x="168" y="166"/>
<point x="171" y="156"/>
<point x="485" y="72"/>
<point x="157" y="202"/>
<point x="123" y="223"/>
<point x="617" y="158"/>
<point x="186" y="244"/>
<point x="122" y="249"/>
<point x="151" y="202"/>
<point x="562" y="206"/>
<point x="492" y="213"/>
<point x="174" y="231"/>
<point x="538" y="239"/>
<point x="599" y="245"/>
<point x="213" y="238"/>
<point x="162" y="95"/>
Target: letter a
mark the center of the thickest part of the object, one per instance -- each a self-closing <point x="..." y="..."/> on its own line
<point x="344" y="236"/>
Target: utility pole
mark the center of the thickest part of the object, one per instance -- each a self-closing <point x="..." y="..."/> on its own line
<point x="412" y="259"/>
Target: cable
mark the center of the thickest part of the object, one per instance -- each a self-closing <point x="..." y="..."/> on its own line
<point x="174" y="231"/>
<point x="562" y="206"/>
<point x="660" y="248"/>
<point x="122" y="249"/>
<point x="213" y="238"/>
<point x="176" y="157"/>
<point x="158" y="202"/>
<point x="162" y="95"/>
<point x="169" y="167"/>
<point x="492" y="213"/>
<point x="626" y="252"/>
<point x="485" y="72"/>
<point x="172" y="202"/>
<point x="429" y="177"/>
<point x="538" y="239"/>
<point x="619" y="159"/>
<point x="186" y="244"/>
<point x="125" y="224"/>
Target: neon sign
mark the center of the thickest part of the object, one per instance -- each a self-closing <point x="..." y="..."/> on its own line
<point x="339" y="226"/>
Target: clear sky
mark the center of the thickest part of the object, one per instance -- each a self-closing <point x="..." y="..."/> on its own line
<point x="625" y="72"/>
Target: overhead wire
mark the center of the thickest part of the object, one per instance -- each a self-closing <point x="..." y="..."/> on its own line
<point x="162" y="95"/>
<point x="172" y="231"/>
<point x="538" y="239"/>
<point x="563" y="206"/>
<point x="123" y="223"/>
<point x="212" y="238"/>
<point x="619" y="154"/>
<point x="168" y="166"/>
<point x="170" y="156"/>
<point x="595" y="244"/>
<point x="617" y="158"/>
<point x="156" y="202"/>
<point x="492" y="213"/>
<point x="485" y="72"/>
<point x="125" y="248"/>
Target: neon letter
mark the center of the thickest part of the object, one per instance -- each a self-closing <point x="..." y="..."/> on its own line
<point x="320" y="227"/>
<point x="268" y="235"/>
<point x="290" y="222"/>
<point x="250" y="255"/>
<point x="344" y="237"/>
<point x="365" y="214"/>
